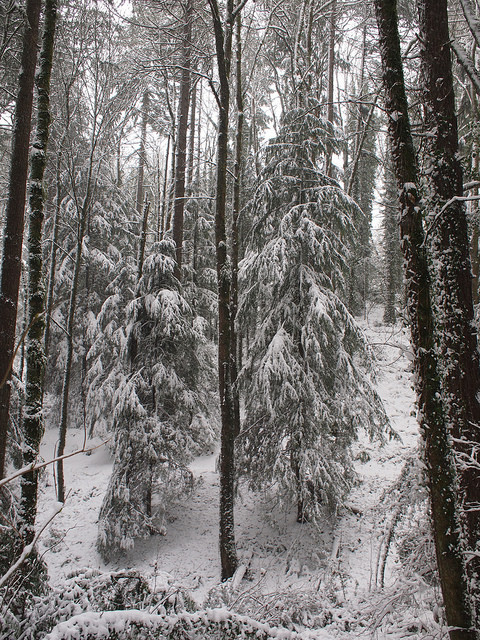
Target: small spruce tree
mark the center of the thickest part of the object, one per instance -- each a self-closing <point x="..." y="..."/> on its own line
<point x="161" y="412"/>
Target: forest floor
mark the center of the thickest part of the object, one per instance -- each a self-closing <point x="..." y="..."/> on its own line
<point x="326" y="578"/>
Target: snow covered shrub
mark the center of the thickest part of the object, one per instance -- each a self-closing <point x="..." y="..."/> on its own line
<point x="409" y="526"/>
<point x="88" y="590"/>
<point x="161" y="408"/>
<point x="307" y="376"/>
<point x="414" y="542"/>
<point x="211" y="624"/>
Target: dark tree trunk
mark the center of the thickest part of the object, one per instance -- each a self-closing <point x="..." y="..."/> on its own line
<point x="237" y="186"/>
<point x="14" y="216"/>
<point x="191" y="142"/>
<point x="53" y="249"/>
<point x="33" y="420"/>
<point x="439" y="462"/>
<point x="223" y="42"/>
<point x="448" y="232"/>
<point x="139" y="197"/>
<point x="164" y="208"/>
<point x="330" y="77"/>
<point x="181" y="148"/>
<point x="72" y="305"/>
<point x="143" y="240"/>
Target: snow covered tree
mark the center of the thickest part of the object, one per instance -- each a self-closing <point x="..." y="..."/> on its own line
<point x="14" y="217"/>
<point x="437" y="421"/>
<point x="161" y="413"/>
<point x="305" y="381"/>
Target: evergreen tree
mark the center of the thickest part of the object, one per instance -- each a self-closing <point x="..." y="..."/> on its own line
<point x="306" y="387"/>
<point x="161" y="413"/>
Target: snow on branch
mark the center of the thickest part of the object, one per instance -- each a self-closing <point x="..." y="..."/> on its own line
<point x="27" y="550"/>
<point x="445" y="207"/>
<point x="467" y="64"/>
<point x="33" y="466"/>
<point x="472" y="20"/>
<point x="146" y="626"/>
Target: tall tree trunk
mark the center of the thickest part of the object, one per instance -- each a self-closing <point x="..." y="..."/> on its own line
<point x="139" y="196"/>
<point x="143" y="240"/>
<point x="475" y="220"/>
<point x="72" y="304"/>
<point x="181" y="147"/>
<point x="15" y="214"/>
<point x="237" y="190"/>
<point x="223" y="43"/>
<point x="33" y="420"/>
<point x="191" y="142"/>
<point x="165" y="204"/>
<point x="330" y="83"/>
<point x="53" y="249"/>
<point x="459" y="358"/>
<point x="439" y="462"/>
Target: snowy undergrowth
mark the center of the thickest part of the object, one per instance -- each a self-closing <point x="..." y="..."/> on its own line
<point x="324" y="579"/>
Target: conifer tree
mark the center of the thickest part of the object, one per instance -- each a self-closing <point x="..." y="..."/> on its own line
<point x="306" y="387"/>
<point x="160" y="411"/>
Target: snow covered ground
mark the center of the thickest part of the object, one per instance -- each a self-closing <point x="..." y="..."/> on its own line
<point x="297" y="574"/>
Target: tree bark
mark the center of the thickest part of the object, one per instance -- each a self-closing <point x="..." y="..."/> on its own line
<point x="448" y="231"/>
<point x="223" y="43"/>
<point x="439" y="461"/>
<point x="15" y="215"/>
<point x="33" y="420"/>
<point x="237" y="186"/>
<point x="330" y="83"/>
<point x="181" y="148"/>
<point x="139" y="197"/>
<point x="72" y="304"/>
<point x="143" y="240"/>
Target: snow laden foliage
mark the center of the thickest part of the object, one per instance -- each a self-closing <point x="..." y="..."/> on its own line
<point x="86" y="592"/>
<point x="112" y="265"/>
<point x="161" y="410"/>
<point x="212" y="624"/>
<point x="306" y="381"/>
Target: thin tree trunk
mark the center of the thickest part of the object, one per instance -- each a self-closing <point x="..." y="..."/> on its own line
<point x="163" y="215"/>
<point x="139" y="196"/>
<point x="82" y="223"/>
<point x="330" y="83"/>
<point x="33" y="420"/>
<point x="181" y="147"/>
<point x="237" y="189"/>
<point x="53" y="250"/>
<point x="439" y="462"/>
<point x="191" y="142"/>
<point x="223" y="43"/>
<point x="14" y="216"/>
<point x="474" y="242"/>
<point x="143" y="240"/>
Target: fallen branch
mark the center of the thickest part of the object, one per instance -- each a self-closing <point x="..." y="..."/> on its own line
<point x="33" y="466"/>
